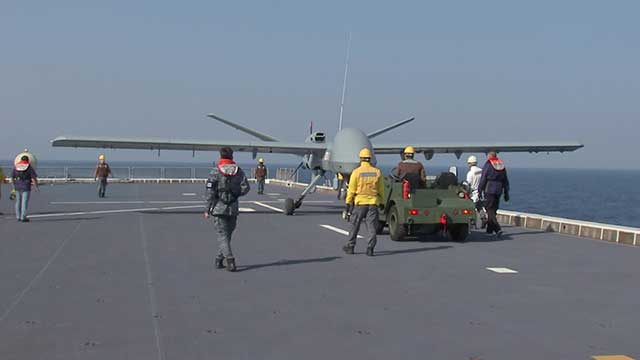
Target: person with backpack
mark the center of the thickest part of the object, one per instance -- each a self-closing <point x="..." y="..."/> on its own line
<point x="23" y="177"/>
<point x="493" y="184"/>
<point x="226" y="183"/>
<point x="261" y="175"/>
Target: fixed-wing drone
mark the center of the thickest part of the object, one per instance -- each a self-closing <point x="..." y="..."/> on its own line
<point x="319" y="155"/>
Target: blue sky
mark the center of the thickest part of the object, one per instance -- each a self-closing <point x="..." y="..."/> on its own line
<point x="469" y="71"/>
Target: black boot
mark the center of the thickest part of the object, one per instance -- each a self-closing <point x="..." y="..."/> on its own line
<point x="348" y="249"/>
<point x="219" y="263"/>
<point x="369" y="251"/>
<point x="231" y="264"/>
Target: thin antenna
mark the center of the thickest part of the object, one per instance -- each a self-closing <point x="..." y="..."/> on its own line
<point x="344" y="82"/>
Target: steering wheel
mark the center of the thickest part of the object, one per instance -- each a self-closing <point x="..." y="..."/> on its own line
<point x="393" y="175"/>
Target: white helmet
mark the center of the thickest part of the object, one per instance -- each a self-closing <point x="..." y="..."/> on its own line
<point x="472" y="160"/>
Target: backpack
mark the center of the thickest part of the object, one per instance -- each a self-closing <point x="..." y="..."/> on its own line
<point x="225" y="192"/>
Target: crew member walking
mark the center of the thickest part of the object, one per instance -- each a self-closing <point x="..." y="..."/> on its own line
<point x="340" y="186"/>
<point x="24" y="177"/>
<point x="101" y="174"/>
<point x="473" y="180"/>
<point x="226" y="183"/>
<point x="365" y="191"/>
<point x="261" y="175"/>
<point x="493" y="183"/>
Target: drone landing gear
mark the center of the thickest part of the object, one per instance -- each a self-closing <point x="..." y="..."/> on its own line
<point x="291" y="205"/>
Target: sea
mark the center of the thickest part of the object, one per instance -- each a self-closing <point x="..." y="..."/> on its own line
<point x="604" y="196"/>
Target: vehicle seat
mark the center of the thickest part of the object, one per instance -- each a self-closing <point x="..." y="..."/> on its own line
<point x="414" y="181"/>
<point x="444" y="180"/>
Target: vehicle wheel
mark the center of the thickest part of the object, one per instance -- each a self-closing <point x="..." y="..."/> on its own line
<point x="289" y="206"/>
<point x="397" y="231"/>
<point x="459" y="232"/>
<point x="380" y="227"/>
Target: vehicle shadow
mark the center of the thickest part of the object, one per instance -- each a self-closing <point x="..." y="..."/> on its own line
<point x="285" y="262"/>
<point x="410" y="251"/>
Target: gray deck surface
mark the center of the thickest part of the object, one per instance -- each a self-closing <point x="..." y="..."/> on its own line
<point x="141" y="285"/>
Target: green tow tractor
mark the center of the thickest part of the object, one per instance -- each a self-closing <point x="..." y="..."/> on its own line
<point x="442" y="206"/>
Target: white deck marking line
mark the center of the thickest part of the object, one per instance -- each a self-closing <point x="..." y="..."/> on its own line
<point x="152" y="291"/>
<point x="112" y="211"/>
<point x="38" y="275"/>
<point x="243" y="209"/>
<point x="273" y="194"/>
<point x="502" y="270"/>
<point x="268" y="206"/>
<point x="188" y="194"/>
<point x="93" y="202"/>
<point x="338" y="230"/>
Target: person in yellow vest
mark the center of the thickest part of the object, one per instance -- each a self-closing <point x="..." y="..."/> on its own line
<point x="364" y="194"/>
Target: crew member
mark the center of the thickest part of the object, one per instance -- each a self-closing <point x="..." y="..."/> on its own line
<point x="473" y="180"/>
<point x="24" y="177"/>
<point x="101" y="174"/>
<point x="409" y="165"/>
<point x="226" y="183"/>
<point x="365" y="191"/>
<point x="340" y="178"/>
<point x="493" y="183"/>
<point x="261" y="175"/>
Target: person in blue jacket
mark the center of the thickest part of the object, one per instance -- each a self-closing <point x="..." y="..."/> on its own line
<point x="493" y="184"/>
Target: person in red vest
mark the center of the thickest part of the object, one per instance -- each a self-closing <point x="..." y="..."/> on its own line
<point x="493" y="184"/>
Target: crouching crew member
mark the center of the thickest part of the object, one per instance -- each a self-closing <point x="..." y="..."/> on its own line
<point x="226" y="183"/>
<point x="364" y="194"/>
<point x="493" y="183"/>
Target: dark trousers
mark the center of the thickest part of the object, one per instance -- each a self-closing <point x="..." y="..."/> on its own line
<point x="492" y="203"/>
<point x="340" y="186"/>
<point x="260" y="182"/>
<point x="368" y="214"/>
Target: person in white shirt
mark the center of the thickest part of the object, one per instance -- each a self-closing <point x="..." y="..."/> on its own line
<point x="473" y="180"/>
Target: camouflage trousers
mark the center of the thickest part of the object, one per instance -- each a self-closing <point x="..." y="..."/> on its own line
<point x="224" y="225"/>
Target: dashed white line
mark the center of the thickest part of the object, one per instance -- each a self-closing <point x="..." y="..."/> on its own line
<point x="243" y="209"/>
<point x="268" y="206"/>
<point x="502" y="270"/>
<point x="273" y="194"/>
<point x="338" y="230"/>
<point x="188" y="194"/>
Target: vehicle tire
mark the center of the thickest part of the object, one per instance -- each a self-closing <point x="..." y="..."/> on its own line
<point x="289" y="206"/>
<point x="459" y="232"/>
<point x="380" y="227"/>
<point x="397" y="231"/>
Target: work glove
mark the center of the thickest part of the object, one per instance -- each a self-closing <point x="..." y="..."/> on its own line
<point x="346" y="213"/>
<point x="506" y="197"/>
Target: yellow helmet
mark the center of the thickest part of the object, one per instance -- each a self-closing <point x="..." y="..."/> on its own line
<point x="365" y="153"/>
<point x="261" y="160"/>
<point x="101" y="157"/>
<point x="409" y="150"/>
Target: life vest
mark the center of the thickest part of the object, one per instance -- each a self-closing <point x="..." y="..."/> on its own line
<point x="497" y="164"/>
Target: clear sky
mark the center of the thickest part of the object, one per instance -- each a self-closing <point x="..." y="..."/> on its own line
<point x="468" y="71"/>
